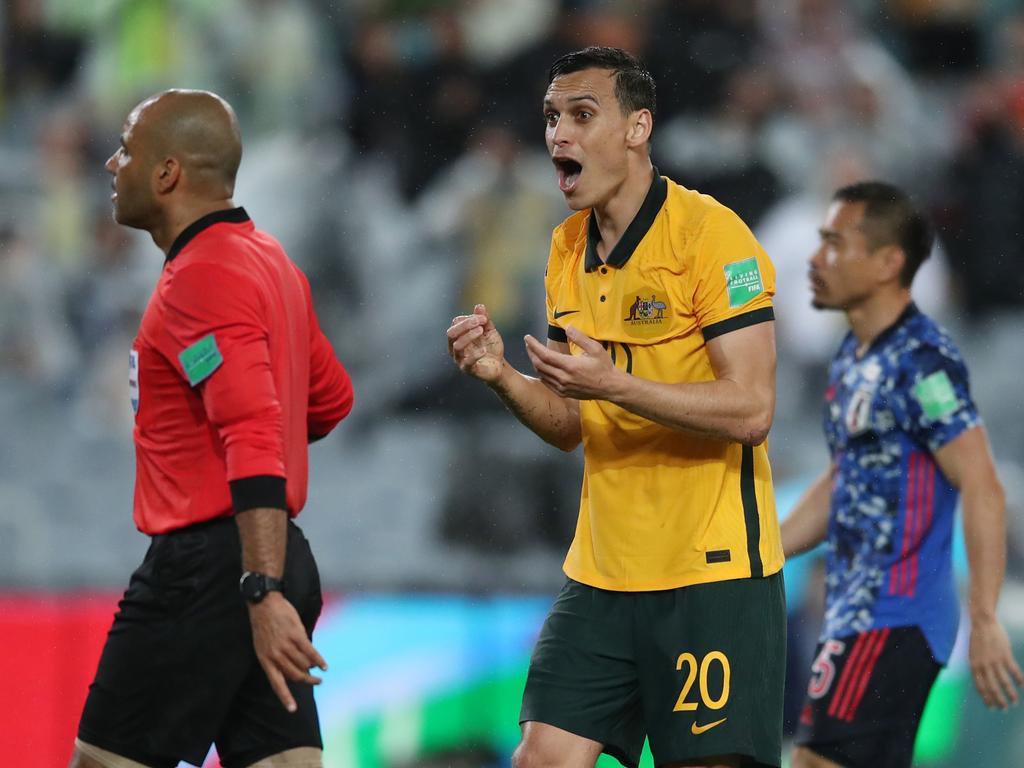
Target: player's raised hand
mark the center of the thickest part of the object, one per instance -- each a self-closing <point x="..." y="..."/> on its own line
<point x="590" y="375"/>
<point x="996" y="673"/>
<point x="282" y="647"/>
<point x="476" y="346"/>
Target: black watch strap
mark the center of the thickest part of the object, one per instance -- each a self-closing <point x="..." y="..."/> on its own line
<point x="255" y="586"/>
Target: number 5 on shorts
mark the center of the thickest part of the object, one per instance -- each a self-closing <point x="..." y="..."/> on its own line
<point x="693" y="670"/>
<point x="823" y="670"/>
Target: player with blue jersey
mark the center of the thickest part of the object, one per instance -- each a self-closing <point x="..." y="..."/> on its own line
<point x="906" y="442"/>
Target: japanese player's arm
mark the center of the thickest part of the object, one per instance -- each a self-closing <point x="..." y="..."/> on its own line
<point x="941" y="414"/>
<point x="806" y="526"/>
<point x="967" y="463"/>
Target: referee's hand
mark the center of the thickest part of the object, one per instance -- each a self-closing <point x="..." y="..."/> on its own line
<point x="281" y="645"/>
<point x="996" y="673"/>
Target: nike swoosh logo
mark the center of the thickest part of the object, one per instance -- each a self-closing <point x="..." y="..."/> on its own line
<point x="566" y="312"/>
<point x="697" y="730"/>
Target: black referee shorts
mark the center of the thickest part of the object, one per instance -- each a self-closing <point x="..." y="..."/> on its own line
<point x="178" y="671"/>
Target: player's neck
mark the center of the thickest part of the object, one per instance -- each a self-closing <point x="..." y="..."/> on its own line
<point x="616" y="214"/>
<point x="875" y="314"/>
<point x="177" y="219"/>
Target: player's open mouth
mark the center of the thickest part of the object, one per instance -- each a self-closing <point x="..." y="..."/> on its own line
<point x="568" y="173"/>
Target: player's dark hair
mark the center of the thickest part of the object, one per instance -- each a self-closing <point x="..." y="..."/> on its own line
<point x="891" y="218"/>
<point x="634" y="86"/>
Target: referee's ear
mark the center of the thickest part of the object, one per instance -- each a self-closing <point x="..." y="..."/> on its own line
<point x="641" y="123"/>
<point x="166" y="175"/>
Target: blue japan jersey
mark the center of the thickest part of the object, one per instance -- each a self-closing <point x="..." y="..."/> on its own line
<point x="890" y="530"/>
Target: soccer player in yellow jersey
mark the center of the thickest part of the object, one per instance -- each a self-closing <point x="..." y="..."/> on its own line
<point x="660" y="359"/>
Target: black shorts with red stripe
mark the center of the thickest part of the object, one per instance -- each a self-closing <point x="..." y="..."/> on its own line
<point x="866" y="696"/>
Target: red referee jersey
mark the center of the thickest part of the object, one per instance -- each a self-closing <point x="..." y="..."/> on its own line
<point x="230" y="376"/>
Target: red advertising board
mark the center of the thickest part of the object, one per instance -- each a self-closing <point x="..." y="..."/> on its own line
<point x="50" y="644"/>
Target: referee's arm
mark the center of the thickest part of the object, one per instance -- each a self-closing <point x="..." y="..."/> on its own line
<point x="278" y="636"/>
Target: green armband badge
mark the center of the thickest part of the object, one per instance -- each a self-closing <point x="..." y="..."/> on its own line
<point x="201" y="359"/>
<point x="743" y="279"/>
<point x="936" y="395"/>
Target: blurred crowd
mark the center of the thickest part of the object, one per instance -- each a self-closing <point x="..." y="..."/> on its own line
<point x="396" y="149"/>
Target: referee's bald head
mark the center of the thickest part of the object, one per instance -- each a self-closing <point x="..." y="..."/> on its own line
<point x="200" y="130"/>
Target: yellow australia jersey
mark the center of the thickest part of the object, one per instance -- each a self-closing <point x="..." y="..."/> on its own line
<point x="661" y="508"/>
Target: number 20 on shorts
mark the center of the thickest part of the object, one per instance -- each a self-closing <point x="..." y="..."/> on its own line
<point x="698" y="671"/>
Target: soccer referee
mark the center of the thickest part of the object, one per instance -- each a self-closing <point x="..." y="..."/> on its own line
<point x="231" y="377"/>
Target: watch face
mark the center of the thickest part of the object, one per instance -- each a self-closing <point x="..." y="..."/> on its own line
<point x="253" y="587"/>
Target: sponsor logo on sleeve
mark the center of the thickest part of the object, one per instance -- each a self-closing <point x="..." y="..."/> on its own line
<point x="743" y="281"/>
<point x="936" y="395"/>
<point x="201" y="359"/>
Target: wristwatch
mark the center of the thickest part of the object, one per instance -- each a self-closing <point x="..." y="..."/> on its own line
<point x="255" y="586"/>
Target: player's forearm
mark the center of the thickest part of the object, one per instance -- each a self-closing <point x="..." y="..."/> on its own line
<point x="807" y="524"/>
<point x="721" y="409"/>
<point x="554" y="419"/>
<point x="984" y="512"/>
<point x="263" y="531"/>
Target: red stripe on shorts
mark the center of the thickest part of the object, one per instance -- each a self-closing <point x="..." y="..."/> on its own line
<point x="847" y="675"/>
<point x="862" y="686"/>
<point x="851" y="686"/>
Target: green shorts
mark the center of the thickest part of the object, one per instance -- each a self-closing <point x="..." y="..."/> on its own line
<point x="699" y="670"/>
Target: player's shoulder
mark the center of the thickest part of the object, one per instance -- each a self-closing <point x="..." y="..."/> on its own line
<point x="923" y="343"/>
<point x="704" y="231"/>
<point x="199" y="278"/>
<point x="205" y="263"/>
<point x="925" y="332"/>
<point x="696" y="211"/>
